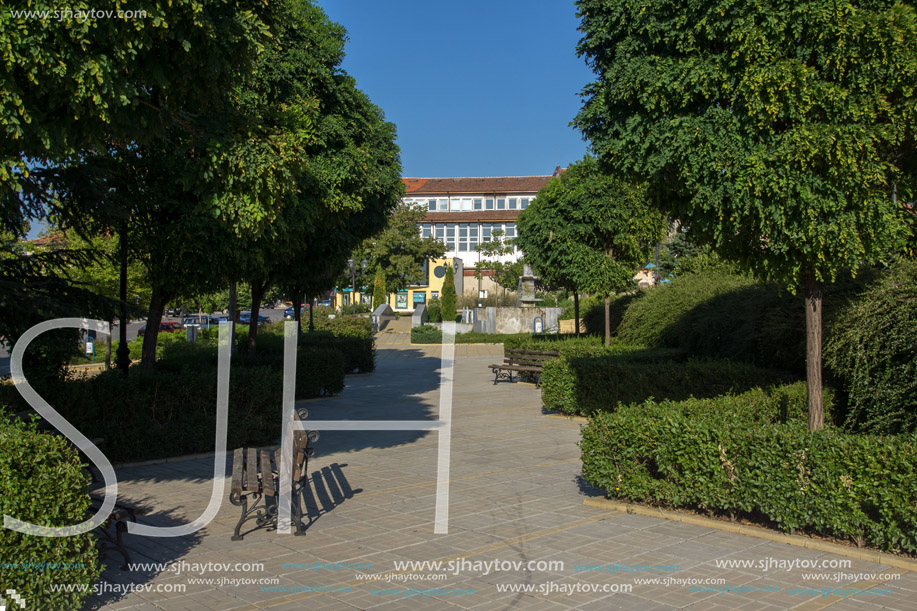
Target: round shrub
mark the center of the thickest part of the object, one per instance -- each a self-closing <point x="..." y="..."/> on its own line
<point x="873" y="352"/>
<point x="648" y="319"/>
<point x="43" y="482"/>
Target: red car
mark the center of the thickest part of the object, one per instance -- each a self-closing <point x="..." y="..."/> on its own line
<point x="164" y="327"/>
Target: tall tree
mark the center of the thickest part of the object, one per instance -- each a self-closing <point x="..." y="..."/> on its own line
<point x="780" y="132"/>
<point x="588" y="231"/>
<point x="491" y="252"/>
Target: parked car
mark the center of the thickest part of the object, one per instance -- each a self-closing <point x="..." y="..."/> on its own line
<point x="324" y="303"/>
<point x="164" y="327"/>
<point x="288" y="314"/>
<point x="246" y="317"/>
<point x="203" y="321"/>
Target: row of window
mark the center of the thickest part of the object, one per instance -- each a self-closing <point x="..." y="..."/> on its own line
<point x="468" y="204"/>
<point x="465" y="237"/>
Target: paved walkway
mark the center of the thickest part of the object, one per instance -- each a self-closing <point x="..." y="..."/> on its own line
<point x="515" y="498"/>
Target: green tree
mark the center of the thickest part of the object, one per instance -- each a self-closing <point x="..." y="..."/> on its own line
<point x="781" y="133"/>
<point x="380" y="294"/>
<point x="505" y="273"/>
<point x="447" y="298"/>
<point x="589" y="232"/>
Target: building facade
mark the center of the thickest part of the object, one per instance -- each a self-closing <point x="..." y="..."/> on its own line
<point x="465" y="212"/>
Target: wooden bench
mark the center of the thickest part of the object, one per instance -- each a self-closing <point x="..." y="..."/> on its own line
<point x="522" y="361"/>
<point x="256" y="485"/>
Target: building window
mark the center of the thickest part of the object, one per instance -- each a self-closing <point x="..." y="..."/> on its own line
<point x="501" y="204"/>
<point x="510" y="231"/>
<point x="450" y="237"/>
<point x="485" y="232"/>
<point x="431" y="205"/>
<point x="512" y="203"/>
<point x="488" y="204"/>
<point x="441" y="233"/>
<point x="434" y="295"/>
<point x="472" y="237"/>
<point x="444" y="205"/>
<point x="463" y="237"/>
<point x="478" y="203"/>
<point x="426" y="230"/>
<point x="524" y="203"/>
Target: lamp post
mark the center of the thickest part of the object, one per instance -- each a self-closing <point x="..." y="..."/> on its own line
<point x="353" y="281"/>
<point x="311" y="308"/>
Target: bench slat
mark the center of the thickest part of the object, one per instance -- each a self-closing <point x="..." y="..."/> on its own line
<point x="237" y="471"/>
<point x="250" y="481"/>
<point x="267" y="474"/>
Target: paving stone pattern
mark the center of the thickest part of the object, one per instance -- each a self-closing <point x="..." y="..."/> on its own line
<point x="515" y="495"/>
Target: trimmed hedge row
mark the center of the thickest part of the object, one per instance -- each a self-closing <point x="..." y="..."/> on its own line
<point x="359" y="353"/>
<point x="42" y="482"/>
<point x="581" y="385"/>
<point x="738" y="456"/>
<point x="426" y="334"/>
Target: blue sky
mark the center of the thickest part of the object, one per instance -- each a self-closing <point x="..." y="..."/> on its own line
<point x="475" y="88"/>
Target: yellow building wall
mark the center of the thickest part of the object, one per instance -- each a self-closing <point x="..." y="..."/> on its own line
<point x="436" y="286"/>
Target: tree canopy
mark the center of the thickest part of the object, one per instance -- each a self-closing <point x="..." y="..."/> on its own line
<point x="588" y="231"/>
<point x="782" y="133"/>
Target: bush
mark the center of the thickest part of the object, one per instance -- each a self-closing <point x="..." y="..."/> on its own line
<point x="346" y="326"/>
<point x="873" y="351"/>
<point x="648" y="318"/>
<point x="166" y="414"/>
<point x="358" y="353"/>
<point x="42" y="481"/>
<point x="435" y="310"/>
<point x="426" y="334"/>
<point x="592" y="311"/>
<point x="586" y="384"/>
<point x="722" y="315"/>
<point x="736" y="456"/>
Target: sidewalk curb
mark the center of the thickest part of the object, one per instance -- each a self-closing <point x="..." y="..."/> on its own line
<point x="758" y="532"/>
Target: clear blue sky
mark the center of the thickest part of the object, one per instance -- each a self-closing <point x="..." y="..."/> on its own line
<point x="475" y="88"/>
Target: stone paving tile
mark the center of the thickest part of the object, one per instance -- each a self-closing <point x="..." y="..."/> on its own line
<point x="515" y="495"/>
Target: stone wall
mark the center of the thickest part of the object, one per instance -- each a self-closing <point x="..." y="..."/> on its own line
<point x="515" y="320"/>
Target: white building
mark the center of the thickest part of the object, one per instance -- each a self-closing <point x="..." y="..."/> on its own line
<point x="464" y="212"/>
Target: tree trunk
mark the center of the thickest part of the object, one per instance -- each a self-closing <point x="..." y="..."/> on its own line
<point x="813" y="351"/>
<point x="607" y="320"/>
<point x="258" y="290"/>
<point x="151" y="335"/>
<point x="576" y="311"/>
<point x="297" y="313"/>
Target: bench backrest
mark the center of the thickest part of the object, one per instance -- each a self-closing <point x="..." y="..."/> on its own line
<point x="535" y="358"/>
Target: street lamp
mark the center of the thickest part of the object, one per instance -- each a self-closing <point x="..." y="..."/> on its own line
<point x="353" y="281"/>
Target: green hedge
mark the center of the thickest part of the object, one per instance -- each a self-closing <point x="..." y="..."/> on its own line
<point x="42" y="482"/>
<point x="359" y="353"/>
<point x="581" y="385"/>
<point x="873" y="352"/>
<point x="426" y="334"/>
<point x="166" y="414"/>
<point x="736" y="456"/>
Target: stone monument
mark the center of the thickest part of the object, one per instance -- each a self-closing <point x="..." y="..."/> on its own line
<point x="525" y="291"/>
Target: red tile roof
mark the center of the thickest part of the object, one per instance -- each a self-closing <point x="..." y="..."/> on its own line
<point x="470" y="185"/>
